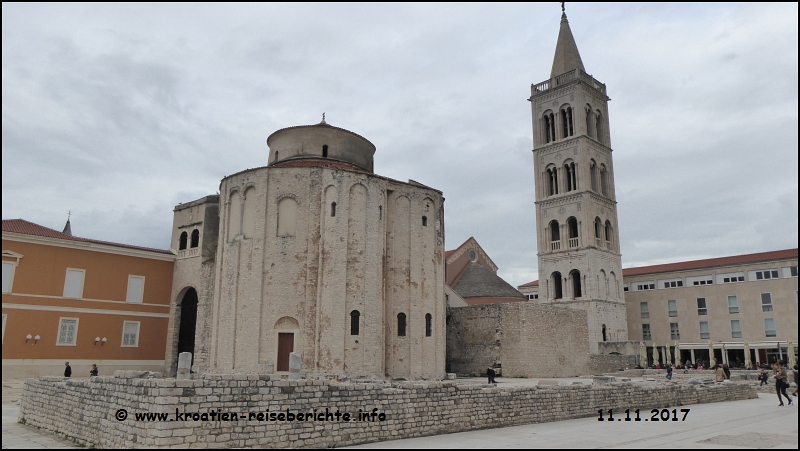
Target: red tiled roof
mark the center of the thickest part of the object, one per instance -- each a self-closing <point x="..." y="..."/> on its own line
<point x="28" y="228"/>
<point x="447" y="254"/>
<point x="712" y="262"/>
<point x="535" y="283"/>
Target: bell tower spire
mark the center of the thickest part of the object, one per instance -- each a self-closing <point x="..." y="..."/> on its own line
<point x="567" y="57"/>
<point x="576" y="209"/>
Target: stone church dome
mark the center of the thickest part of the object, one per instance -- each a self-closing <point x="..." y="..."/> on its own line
<point x="304" y="144"/>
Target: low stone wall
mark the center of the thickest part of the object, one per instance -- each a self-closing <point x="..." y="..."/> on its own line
<point x="85" y="409"/>
<point x="600" y="364"/>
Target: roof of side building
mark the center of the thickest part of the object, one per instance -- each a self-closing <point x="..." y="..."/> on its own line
<point x="24" y="227"/>
<point x="712" y="262"/>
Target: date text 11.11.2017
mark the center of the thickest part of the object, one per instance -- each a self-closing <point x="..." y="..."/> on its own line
<point x="655" y="415"/>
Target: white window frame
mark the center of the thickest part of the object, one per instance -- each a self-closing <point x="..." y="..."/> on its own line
<point x="734" y="306"/>
<point x="708" y="330"/>
<point x="677" y="334"/>
<point x="649" y="332"/>
<point x="644" y="310"/>
<point x="774" y="328"/>
<point x="734" y="331"/>
<point x="702" y="311"/>
<point x="83" y="283"/>
<point x="771" y="304"/>
<point x="60" y="325"/>
<point x="128" y="291"/>
<point x="138" y="329"/>
<point x="13" y="266"/>
<point x="670" y="311"/>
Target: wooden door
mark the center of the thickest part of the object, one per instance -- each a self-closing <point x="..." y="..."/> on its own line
<point x="285" y="347"/>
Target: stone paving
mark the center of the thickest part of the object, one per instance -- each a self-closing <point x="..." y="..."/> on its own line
<point x="18" y="436"/>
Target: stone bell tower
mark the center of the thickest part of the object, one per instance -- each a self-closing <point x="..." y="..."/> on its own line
<point x="576" y="208"/>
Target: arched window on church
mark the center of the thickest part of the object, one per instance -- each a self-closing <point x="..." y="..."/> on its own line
<point x="593" y="174"/>
<point x="182" y="241"/>
<point x="589" y="121"/>
<point x="572" y="179"/>
<point x="566" y="122"/>
<point x="552" y="180"/>
<point x="555" y="282"/>
<point x="555" y="236"/>
<point x="604" y="333"/>
<point x="598" y="230"/>
<point x="428" y="325"/>
<point x="572" y="225"/>
<point x="195" y="238"/>
<point x="424" y="221"/>
<point x="598" y="126"/>
<point x="547" y="137"/>
<point x="354" y="316"/>
<point x="603" y="180"/>
<point x="609" y="234"/>
<point x="401" y="324"/>
<point x="325" y="151"/>
<point x="575" y="276"/>
<point x="333" y="208"/>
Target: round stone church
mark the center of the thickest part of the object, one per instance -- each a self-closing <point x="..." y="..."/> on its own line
<point x="313" y="254"/>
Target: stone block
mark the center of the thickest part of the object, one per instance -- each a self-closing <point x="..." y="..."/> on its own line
<point x="184" y="365"/>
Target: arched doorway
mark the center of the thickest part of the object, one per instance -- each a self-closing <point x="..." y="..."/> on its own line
<point x="188" y="322"/>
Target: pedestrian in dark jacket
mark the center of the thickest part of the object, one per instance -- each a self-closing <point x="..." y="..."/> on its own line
<point x="490" y="373"/>
<point x="67" y="370"/>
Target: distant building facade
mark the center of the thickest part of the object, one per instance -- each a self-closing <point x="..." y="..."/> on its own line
<point x="313" y="254"/>
<point x="80" y="300"/>
<point x="723" y="301"/>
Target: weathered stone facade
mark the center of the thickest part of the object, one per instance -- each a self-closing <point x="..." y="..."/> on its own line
<point x="319" y="256"/>
<point x="89" y="410"/>
<point x="527" y="340"/>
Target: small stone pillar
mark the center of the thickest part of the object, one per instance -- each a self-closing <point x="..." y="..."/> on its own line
<point x="184" y="365"/>
<point x="295" y="365"/>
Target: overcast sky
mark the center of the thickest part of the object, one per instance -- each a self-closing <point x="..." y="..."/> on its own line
<point x="119" y="112"/>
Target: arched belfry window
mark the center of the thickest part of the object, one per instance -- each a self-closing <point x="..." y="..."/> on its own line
<point x="428" y="325"/>
<point x="549" y="127"/>
<point x="609" y="233"/>
<point x="333" y="208"/>
<point x="603" y="180"/>
<point x="425" y="221"/>
<point x="182" y="241"/>
<point x="598" y="227"/>
<point x="575" y="275"/>
<point x="354" y="316"/>
<point x="401" y="324"/>
<point x="555" y="280"/>
<point x="572" y="225"/>
<point x="572" y="178"/>
<point x="552" y="180"/>
<point x="589" y="121"/>
<point x="555" y="236"/>
<point x="593" y="174"/>
<point x="195" y="238"/>
<point x="566" y="122"/>
<point x="325" y="151"/>
<point x="598" y="126"/>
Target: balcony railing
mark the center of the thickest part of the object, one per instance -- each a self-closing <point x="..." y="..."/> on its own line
<point x="573" y="242"/>
<point x="563" y="79"/>
<point x="186" y="253"/>
<point x="555" y="245"/>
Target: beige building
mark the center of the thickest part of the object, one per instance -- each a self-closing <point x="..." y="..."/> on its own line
<point x="313" y="254"/>
<point x="576" y="207"/>
<point x="723" y="301"/>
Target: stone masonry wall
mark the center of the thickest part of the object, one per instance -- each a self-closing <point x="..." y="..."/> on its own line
<point x="528" y="340"/>
<point x="599" y="364"/>
<point x="85" y="409"/>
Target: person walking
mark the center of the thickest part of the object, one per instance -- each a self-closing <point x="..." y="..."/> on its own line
<point x="67" y="370"/>
<point x="727" y="371"/>
<point x="794" y="370"/>
<point x="719" y="374"/>
<point x="780" y="382"/>
<point x="490" y="373"/>
<point x="669" y="372"/>
<point x="94" y="370"/>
